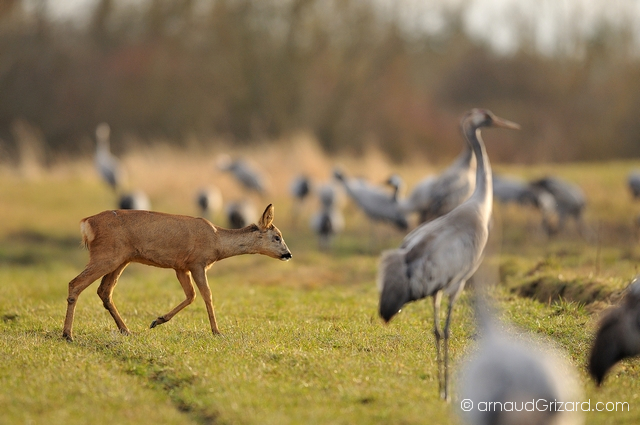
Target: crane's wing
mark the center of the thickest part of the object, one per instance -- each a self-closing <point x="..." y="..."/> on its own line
<point x="441" y="256"/>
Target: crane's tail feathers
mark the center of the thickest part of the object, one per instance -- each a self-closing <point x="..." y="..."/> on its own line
<point x="392" y="267"/>
<point x="393" y="283"/>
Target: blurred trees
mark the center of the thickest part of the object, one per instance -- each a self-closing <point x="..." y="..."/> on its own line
<point x="253" y="69"/>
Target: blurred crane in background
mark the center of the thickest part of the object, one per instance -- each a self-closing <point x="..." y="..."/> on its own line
<point x="241" y="213"/>
<point x="434" y="197"/>
<point x="329" y="221"/>
<point x="569" y="202"/>
<point x="108" y="166"/>
<point x="209" y="201"/>
<point x="633" y="180"/>
<point x="300" y="188"/>
<point x="377" y="204"/>
<point x="250" y="178"/>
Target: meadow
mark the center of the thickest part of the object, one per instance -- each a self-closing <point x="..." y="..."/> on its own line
<point x="302" y="341"/>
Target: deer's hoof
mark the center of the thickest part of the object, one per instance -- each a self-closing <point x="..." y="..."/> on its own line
<point x="158" y="321"/>
<point x="68" y="337"/>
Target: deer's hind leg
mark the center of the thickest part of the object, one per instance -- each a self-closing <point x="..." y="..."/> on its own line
<point x="189" y="291"/>
<point x="90" y="274"/>
<point x="105" y="292"/>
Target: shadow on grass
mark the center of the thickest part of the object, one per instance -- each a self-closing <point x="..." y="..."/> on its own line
<point x="175" y="381"/>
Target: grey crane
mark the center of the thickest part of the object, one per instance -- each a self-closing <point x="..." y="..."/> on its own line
<point x="618" y="335"/>
<point x="241" y="213"/>
<point x="300" y="188"/>
<point x="569" y="201"/>
<point x="434" y="198"/>
<point x="328" y="221"/>
<point x="108" y="165"/>
<point x="514" y="378"/>
<point x="396" y="183"/>
<point x="439" y="256"/>
<point x="419" y="198"/>
<point x="633" y="180"/>
<point x="511" y="190"/>
<point x="137" y="200"/>
<point x="244" y="173"/>
<point x="376" y="203"/>
<point x="209" y="201"/>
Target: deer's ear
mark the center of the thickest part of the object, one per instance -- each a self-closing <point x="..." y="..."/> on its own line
<point x="267" y="218"/>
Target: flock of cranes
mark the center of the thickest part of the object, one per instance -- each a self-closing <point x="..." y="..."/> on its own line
<point x="438" y="256"/>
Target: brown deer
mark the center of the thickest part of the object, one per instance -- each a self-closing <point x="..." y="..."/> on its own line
<point x="188" y="245"/>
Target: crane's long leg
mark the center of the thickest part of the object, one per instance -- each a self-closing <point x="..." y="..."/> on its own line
<point x="446" y="348"/>
<point x="437" y="299"/>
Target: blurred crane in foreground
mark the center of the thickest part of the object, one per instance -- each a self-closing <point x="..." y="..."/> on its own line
<point x="618" y="335"/>
<point x="245" y="174"/>
<point x="109" y="167"/>
<point x="439" y="256"/>
<point x="376" y="203"/>
<point x="515" y="380"/>
<point x="329" y="221"/>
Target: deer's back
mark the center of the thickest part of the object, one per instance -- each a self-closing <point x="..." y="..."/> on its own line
<point x="160" y="239"/>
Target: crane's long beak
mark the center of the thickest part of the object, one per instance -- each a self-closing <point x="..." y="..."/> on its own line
<point x="501" y="122"/>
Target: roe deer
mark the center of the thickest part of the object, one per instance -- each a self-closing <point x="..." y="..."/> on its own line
<point x="188" y="245"/>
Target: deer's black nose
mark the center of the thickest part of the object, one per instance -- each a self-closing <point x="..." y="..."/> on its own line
<point x="286" y="256"/>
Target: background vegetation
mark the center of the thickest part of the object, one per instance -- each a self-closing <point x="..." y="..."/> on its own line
<point x="348" y="72"/>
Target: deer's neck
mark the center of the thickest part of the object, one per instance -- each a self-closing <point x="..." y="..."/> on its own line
<point x="232" y="242"/>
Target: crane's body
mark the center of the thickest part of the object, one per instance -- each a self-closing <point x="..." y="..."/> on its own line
<point x="328" y="221"/>
<point x="108" y="166"/>
<point x="439" y="256"/>
<point x="376" y="203"/>
<point x="244" y="173"/>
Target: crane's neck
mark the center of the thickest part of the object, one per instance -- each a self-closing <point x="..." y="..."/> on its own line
<point x="483" y="193"/>
<point x="103" y="146"/>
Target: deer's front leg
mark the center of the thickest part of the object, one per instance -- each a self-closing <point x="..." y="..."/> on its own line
<point x="189" y="291"/>
<point x="200" y="277"/>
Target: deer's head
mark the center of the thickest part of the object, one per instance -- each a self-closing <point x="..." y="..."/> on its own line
<point x="271" y="242"/>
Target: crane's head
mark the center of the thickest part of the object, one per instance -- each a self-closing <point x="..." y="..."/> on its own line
<point x="477" y="118"/>
<point x="395" y="181"/>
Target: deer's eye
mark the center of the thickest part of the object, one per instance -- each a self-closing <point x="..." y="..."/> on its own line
<point x="276" y="238"/>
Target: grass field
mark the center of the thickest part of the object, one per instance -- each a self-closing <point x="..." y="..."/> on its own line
<point x="302" y="341"/>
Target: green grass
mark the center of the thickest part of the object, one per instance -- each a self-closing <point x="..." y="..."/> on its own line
<point x="301" y="341"/>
